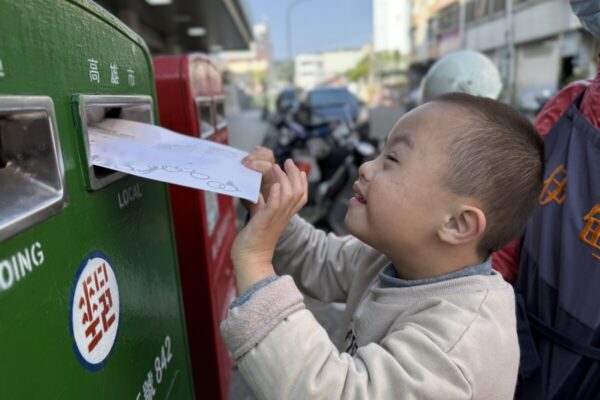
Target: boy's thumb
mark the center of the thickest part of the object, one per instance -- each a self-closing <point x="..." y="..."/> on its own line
<point x="255" y="207"/>
<point x="259" y="165"/>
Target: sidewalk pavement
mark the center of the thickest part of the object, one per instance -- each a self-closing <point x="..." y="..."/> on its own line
<point x="247" y="130"/>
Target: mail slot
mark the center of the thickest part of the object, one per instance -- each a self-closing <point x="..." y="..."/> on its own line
<point x="204" y="108"/>
<point x="31" y="167"/>
<point x="215" y="80"/>
<point x="220" y="118"/>
<point x="94" y="108"/>
<point x="90" y="300"/>
<point x="204" y="221"/>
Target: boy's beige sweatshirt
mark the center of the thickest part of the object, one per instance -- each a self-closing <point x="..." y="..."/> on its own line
<point x="454" y="339"/>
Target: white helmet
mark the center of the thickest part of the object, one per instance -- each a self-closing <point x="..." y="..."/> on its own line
<point x="464" y="71"/>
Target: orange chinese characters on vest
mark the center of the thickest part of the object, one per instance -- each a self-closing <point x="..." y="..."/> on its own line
<point x="591" y="232"/>
<point x="555" y="186"/>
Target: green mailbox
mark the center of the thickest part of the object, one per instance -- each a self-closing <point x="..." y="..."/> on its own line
<point x="90" y="304"/>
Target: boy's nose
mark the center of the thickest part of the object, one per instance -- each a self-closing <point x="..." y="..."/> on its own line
<point x="365" y="171"/>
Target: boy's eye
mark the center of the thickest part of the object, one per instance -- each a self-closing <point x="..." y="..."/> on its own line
<point x="390" y="157"/>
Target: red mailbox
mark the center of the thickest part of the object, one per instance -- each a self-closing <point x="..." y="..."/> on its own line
<point x="190" y="95"/>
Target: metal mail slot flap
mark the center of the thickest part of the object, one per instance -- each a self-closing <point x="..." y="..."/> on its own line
<point x="94" y="108"/>
<point x="205" y="117"/>
<point x="32" y="177"/>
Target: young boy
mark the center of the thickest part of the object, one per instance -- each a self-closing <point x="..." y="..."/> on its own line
<point x="427" y="317"/>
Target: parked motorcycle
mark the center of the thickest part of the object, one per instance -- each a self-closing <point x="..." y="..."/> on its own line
<point x="330" y="196"/>
<point x="330" y="154"/>
<point x="305" y="144"/>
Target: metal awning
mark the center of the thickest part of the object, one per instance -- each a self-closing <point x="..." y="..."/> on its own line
<point x="165" y="27"/>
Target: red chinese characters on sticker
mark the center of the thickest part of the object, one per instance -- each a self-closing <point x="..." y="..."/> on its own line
<point x="95" y="310"/>
<point x="96" y="304"/>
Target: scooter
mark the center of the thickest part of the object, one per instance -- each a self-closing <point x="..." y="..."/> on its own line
<point x="330" y="198"/>
<point x="305" y="145"/>
<point x="293" y="135"/>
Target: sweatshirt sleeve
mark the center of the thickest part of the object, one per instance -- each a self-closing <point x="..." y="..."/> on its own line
<point x="284" y="353"/>
<point x="322" y="265"/>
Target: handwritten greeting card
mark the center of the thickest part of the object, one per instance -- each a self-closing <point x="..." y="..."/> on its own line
<point x="153" y="152"/>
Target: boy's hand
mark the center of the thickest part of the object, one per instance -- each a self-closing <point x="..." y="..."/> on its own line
<point x="261" y="160"/>
<point x="253" y="248"/>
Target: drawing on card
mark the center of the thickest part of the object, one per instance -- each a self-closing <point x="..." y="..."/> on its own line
<point x="156" y="153"/>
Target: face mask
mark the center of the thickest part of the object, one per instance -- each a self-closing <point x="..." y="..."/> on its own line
<point x="588" y="12"/>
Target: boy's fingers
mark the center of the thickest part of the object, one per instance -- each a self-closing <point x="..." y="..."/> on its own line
<point x="255" y="207"/>
<point x="274" y="200"/>
<point x="299" y="184"/>
<point x="261" y="166"/>
<point x="260" y="153"/>
<point x="286" y="187"/>
<point x="302" y="192"/>
<point x="304" y="187"/>
<point x="264" y="153"/>
<point x="294" y="175"/>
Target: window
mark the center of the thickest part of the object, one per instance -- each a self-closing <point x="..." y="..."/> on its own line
<point x="448" y="19"/>
<point x="470" y="12"/>
<point x="413" y="34"/>
<point x="477" y="9"/>
<point x="430" y="30"/>
<point x="497" y="6"/>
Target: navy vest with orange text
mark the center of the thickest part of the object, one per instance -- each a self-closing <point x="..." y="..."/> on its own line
<point x="558" y="289"/>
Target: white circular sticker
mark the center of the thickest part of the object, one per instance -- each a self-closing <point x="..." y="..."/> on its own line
<point x="95" y="311"/>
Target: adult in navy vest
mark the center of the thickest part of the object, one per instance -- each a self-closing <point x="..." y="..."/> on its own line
<point x="559" y="254"/>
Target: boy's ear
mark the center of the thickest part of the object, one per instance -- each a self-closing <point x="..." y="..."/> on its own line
<point x="464" y="227"/>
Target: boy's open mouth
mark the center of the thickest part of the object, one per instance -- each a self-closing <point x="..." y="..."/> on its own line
<point x="358" y="195"/>
<point x="360" y="198"/>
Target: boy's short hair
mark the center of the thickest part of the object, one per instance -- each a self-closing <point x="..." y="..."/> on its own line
<point x="499" y="161"/>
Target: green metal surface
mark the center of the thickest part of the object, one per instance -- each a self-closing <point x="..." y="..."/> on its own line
<point x="45" y="48"/>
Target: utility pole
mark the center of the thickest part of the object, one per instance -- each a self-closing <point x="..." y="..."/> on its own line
<point x="462" y="21"/>
<point x="510" y="53"/>
<point x="288" y="22"/>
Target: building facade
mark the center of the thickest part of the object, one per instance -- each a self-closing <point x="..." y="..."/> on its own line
<point x="251" y="70"/>
<point x="537" y="45"/>
<point x="391" y="20"/>
<point x="311" y="70"/>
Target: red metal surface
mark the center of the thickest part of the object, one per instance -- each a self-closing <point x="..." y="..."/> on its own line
<point x="216" y="82"/>
<point x="207" y="277"/>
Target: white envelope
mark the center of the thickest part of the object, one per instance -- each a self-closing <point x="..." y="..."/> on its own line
<point x="153" y="152"/>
